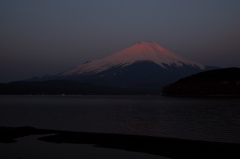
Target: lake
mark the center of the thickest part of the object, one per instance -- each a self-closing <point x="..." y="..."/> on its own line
<point x="210" y="119"/>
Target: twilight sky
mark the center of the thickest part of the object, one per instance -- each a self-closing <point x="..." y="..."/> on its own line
<point x="39" y="37"/>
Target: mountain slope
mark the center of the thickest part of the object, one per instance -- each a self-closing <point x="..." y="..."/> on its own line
<point x="143" y="65"/>
<point x="141" y="51"/>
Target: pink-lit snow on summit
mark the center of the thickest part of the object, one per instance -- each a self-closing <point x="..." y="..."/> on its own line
<point x="141" y="51"/>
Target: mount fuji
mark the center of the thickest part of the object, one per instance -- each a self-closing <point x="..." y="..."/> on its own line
<point x="142" y="65"/>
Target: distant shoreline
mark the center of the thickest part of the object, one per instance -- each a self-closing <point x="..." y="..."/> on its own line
<point x="160" y="95"/>
<point x="206" y="96"/>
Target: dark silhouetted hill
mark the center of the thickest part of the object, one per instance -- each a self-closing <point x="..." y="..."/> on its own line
<point x="220" y="82"/>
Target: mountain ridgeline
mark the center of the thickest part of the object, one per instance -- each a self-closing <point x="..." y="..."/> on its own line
<point x="143" y="67"/>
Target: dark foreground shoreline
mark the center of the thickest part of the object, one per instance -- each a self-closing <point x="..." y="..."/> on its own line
<point x="168" y="147"/>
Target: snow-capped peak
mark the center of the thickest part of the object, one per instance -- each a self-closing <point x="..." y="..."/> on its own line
<point x="140" y="51"/>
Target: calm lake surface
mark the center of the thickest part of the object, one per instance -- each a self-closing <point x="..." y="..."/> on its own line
<point x="212" y="119"/>
<point x="193" y="118"/>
